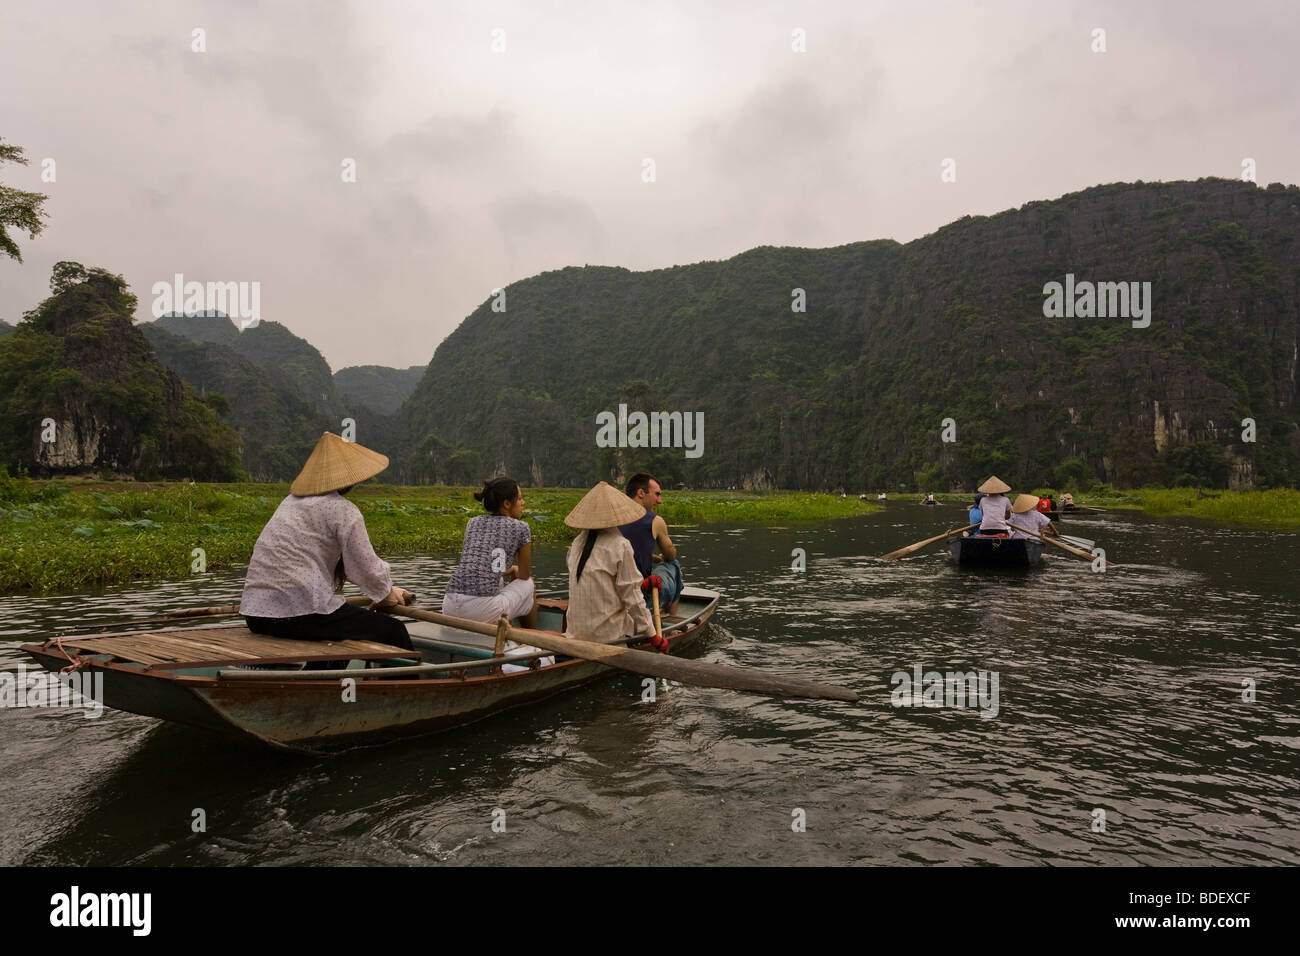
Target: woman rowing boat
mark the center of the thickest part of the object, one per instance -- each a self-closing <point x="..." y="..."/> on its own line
<point x="1025" y="517"/>
<point x="605" y="601"/>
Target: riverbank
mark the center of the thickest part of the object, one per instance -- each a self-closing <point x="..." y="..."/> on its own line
<point x="67" y="534"/>
<point x="1274" y="508"/>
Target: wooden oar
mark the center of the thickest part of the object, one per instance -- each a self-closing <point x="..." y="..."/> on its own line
<point x="1065" y="547"/>
<point x="1084" y="543"/>
<point x="700" y="673"/>
<point x="901" y="552"/>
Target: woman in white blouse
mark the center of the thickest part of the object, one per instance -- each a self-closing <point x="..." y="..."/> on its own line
<point x="314" y="542"/>
<point x="996" y="507"/>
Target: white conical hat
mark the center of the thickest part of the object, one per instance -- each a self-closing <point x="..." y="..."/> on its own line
<point x="604" y="507"/>
<point x="334" y="464"/>
<point x="994" y="486"/>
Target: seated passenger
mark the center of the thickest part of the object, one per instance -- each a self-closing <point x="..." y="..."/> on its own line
<point x="996" y="507"/>
<point x="313" y="543"/>
<point x="646" y="532"/>
<point x="974" y="512"/>
<point x="494" y="576"/>
<point x="1025" y="516"/>
<point x="605" y="601"/>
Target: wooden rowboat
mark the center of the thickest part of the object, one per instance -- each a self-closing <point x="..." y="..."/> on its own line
<point x="996" y="552"/>
<point x="216" y="677"/>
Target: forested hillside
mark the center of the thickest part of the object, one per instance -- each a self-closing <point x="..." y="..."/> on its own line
<point x="278" y="424"/>
<point x="812" y="368"/>
<point x="377" y="387"/>
<point x="854" y="392"/>
<point x="292" y="362"/>
<point x="279" y="388"/>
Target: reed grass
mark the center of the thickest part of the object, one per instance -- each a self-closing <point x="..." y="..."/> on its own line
<point x="1276" y="507"/>
<point x="69" y="533"/>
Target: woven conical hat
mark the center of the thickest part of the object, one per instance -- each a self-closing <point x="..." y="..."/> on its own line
<point x="335" y="464"/>
<point x="1024" y="503"/>
<point x="995" y="486"/>
<point x="604" y="507"/>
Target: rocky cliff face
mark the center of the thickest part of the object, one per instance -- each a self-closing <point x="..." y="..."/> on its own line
<point x="81" y="390"/>
<point x="931" y="362"/>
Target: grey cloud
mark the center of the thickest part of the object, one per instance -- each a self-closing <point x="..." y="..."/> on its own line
<point x="535" y="222"/>
<point x="463" y="142"/>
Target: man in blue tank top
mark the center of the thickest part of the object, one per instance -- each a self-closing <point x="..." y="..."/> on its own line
<point x="647" y="532"/>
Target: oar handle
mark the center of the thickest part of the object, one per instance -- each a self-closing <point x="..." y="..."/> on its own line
<point x="654" y="605"/>
<point x="228" y="610"/>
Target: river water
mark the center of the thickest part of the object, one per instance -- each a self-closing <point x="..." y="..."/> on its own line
<point x="1145" y="715"/>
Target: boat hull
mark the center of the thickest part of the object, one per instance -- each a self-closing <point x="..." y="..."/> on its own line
<point x="996" y="552"/>
<point x="310" y="714"/>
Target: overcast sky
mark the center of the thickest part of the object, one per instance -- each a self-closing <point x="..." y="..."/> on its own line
<point x="476" y="168"/>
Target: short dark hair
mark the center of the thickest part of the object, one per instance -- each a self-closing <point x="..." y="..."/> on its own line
<point x="496" y="492"/>
<point x="639" y="482"/>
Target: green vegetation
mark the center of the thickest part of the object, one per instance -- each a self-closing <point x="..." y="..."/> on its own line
<point x="64" y="534"/>
<point x="78" y="370"/>
<point x="377" y="387"/>
<point x="1275" y="507"/>
<point x="18" y="208"/>
<point x="897" y="339"/>
<point x="277" y="387"/>
<point x="755" y="508"/>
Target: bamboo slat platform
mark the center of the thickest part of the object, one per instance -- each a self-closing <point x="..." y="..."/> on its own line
<point x="229" y="645"/>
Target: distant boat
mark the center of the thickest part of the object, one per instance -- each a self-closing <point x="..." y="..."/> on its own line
<point x="995" y="551"/>
<point x="1079" y="510"/>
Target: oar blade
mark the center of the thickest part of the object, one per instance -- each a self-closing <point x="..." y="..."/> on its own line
<point x="1065" y="547"/>
<point x="699" y="673"/>
<point x="727" y="677"/>
<point x="1087" y="556"/>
